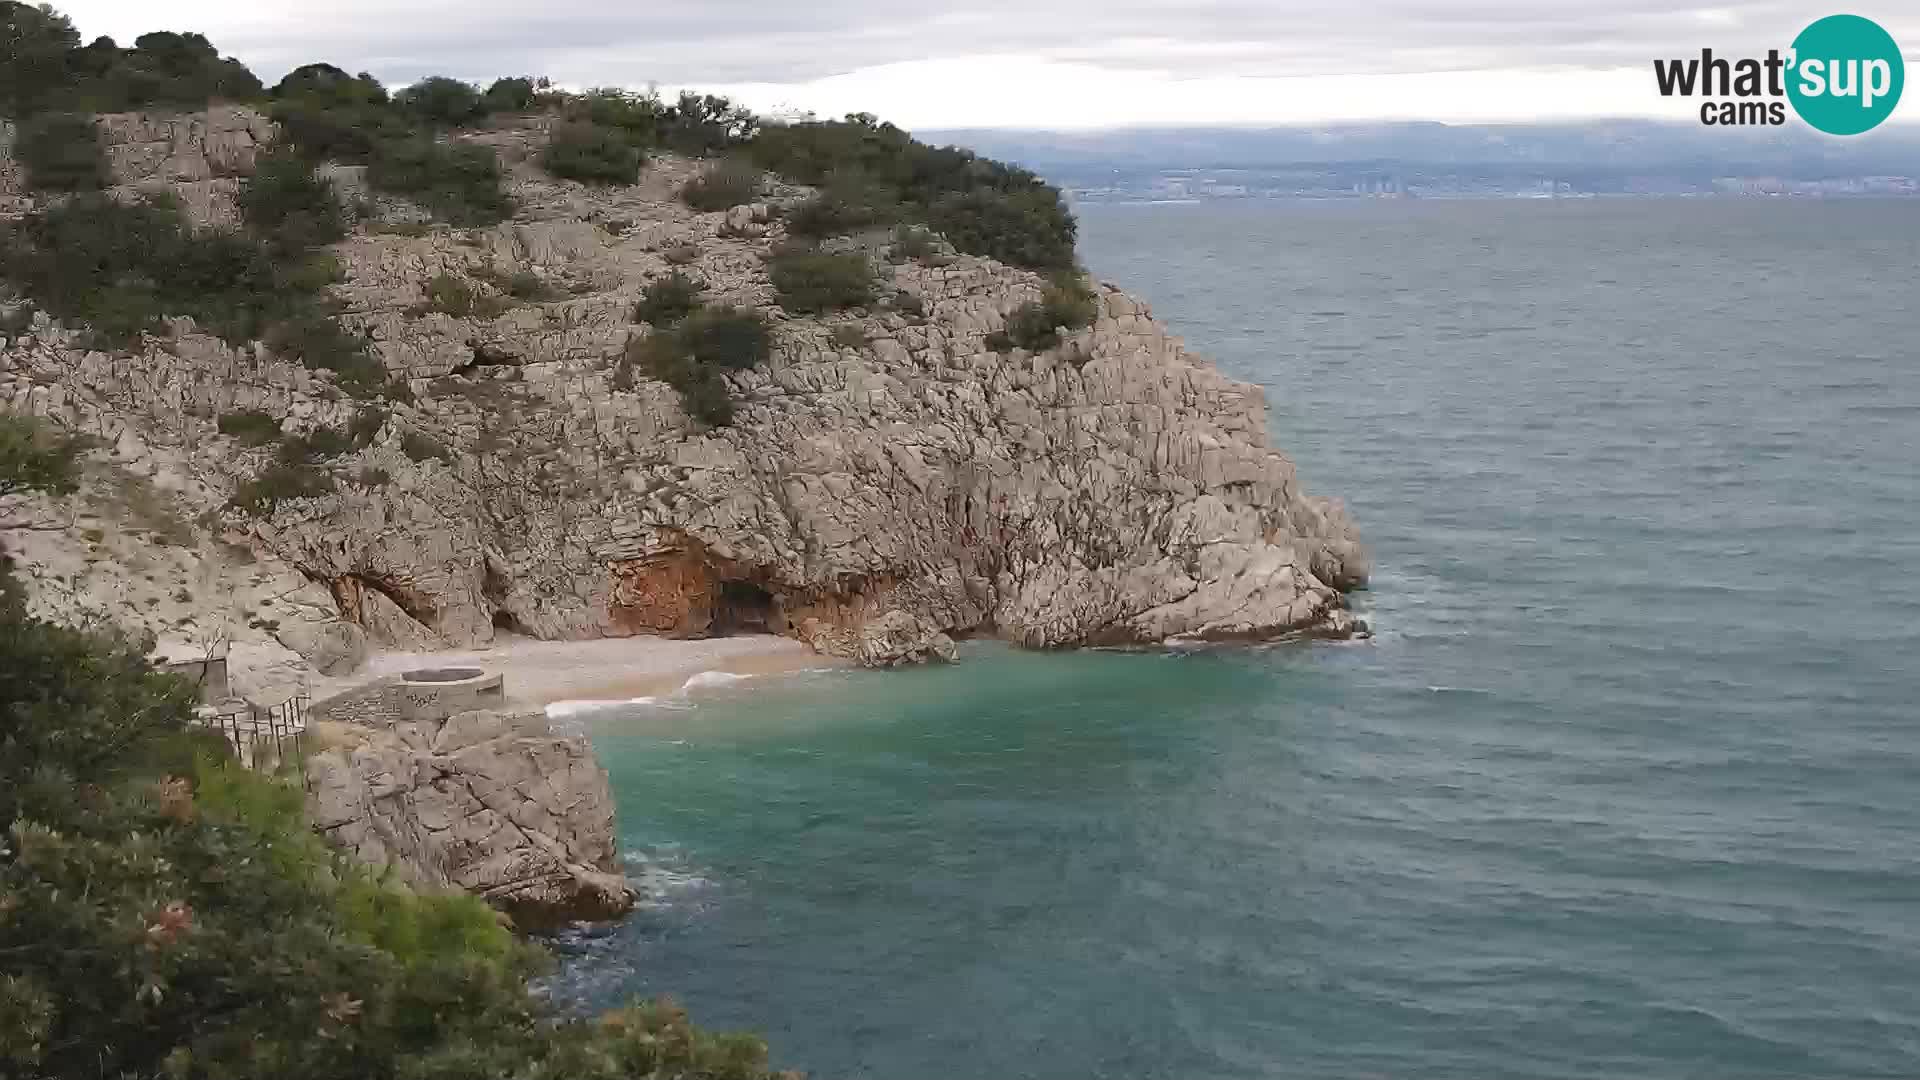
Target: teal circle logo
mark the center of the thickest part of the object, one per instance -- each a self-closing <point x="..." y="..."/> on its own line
<point x="1847" y="75"/>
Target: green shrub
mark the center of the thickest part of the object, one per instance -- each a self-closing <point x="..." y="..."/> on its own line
<point x="703" y="390"/>
<point x="366" y="425"/>
<point x="529" y="286"/>
<point x="43" y="66"/>
<point x="120" y="267"/>
<point x="438" y="101"/>
<point x="324" y="84"/>
<point x="450" y="295"/>
<point x="36" y="457"/>
<point x="849" y="336"/>
<point x="1066" y="303"/>
<point x="1028" y="228"/>
<point x="62" y="152"/>
<point x="848" y="202"/>
<point x="592" y="155"/>
<point x="725" y="337"/>
<point x="318" y="341"/>
<point x="695" y="124"/>
<point x="421" y="447"/>
<point x="37" y="54"/>
<point x="322" y="128"/>
<point x="289" y="204"/>
<point x="722" y="187"/>
<point x="251" y="427"/>
<point x="692" y="355"/>
<point x="911" y="242"/>
<point x="983" y="207"/>
<point x="809" y="281"/>
<point x="278" y="483"/>
<point x="459" y="183"/>
<point x="701" y="124"/>
<point x="516" y="95"/>
<point x="316" y="446"/>
<point x="667" y="300"/>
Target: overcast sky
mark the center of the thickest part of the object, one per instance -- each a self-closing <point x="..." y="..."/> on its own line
<point x="1034" y="63"/>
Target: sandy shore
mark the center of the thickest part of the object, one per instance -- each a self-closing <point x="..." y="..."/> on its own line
<point x="539" y="673"/>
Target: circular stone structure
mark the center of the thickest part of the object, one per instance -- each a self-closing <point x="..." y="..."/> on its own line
<point x="443" y="674"/>
<point x="445" y="691"/>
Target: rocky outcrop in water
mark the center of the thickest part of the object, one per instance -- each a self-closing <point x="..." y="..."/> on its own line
<point x="498" y="805"/>
<point x="889" y="481"/>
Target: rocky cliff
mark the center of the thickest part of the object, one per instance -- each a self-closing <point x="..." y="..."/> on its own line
<point x="888" y="481"/>
<point x="494" y="804"/>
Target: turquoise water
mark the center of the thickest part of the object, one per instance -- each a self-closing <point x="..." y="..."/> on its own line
<point x="1627" y="785"/>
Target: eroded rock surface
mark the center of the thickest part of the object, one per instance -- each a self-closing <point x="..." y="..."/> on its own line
<point x="498" y="805"/>
<point x="872" y="500"/>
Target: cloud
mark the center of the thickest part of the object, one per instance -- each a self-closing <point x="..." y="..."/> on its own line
<point x="808" y="50"/>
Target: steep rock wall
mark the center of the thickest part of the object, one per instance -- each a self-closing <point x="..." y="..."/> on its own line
<point x="871" y="500"/>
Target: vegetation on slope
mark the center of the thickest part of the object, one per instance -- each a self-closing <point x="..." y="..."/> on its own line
<point x="809" y="281"/>
<point x="114" y="267"/>
<point x="874" y="170"/>
<point x="121" y="267"/>
<point x="1065" y="304"/>
<point x="692" y="354"/>
<point x="164" y="912"/>
<point x="61" y="152"/>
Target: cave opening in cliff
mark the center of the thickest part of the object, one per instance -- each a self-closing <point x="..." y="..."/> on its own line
<point x="743" y="608"/>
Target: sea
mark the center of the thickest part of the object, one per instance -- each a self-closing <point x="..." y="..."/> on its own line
<point x="1627" y="784"/>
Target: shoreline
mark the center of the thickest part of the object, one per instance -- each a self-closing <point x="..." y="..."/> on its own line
<point x="539" y="674"/>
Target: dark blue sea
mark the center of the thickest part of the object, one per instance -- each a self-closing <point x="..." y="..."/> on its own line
<point x="1627" y="785"/>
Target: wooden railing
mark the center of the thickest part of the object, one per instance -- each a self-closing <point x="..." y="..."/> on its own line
<point x="262" y="736"/>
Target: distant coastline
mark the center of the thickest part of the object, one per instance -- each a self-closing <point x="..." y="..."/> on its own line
<point x="1425" y="160"/>
<point x="1754" y="191"/>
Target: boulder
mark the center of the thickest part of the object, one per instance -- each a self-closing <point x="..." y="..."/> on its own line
<point x="498" y="805"/>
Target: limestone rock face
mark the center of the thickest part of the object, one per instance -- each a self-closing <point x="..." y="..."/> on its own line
<point x="872" y="499"/>
<point x="498" y="805"/>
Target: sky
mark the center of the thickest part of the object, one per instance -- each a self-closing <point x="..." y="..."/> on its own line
<point x="1069" y="64"/>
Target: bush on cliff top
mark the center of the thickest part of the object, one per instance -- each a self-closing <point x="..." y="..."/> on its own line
<point x="439" y="101"/>
<point x="325" y="113"/>
<point x="592" y="155"/>
<point x="722" y="186"/>
<point x="848" y="203"/>
<point x="164" y="912"/>
<point x="692" y="124"/>
<point x="983" y="206"/>
<point x="44" y="66"/>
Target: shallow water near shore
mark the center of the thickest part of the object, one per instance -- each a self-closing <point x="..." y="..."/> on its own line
<point x="1627" y="785"/>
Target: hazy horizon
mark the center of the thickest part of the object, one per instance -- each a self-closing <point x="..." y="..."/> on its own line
<point x="1056" y="65"/>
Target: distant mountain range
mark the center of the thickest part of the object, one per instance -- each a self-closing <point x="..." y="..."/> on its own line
<point x="1614" y="157"/>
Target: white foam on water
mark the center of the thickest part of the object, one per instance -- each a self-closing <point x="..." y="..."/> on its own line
<point x="711" y="678"/>
<point x="562" y="709"/>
